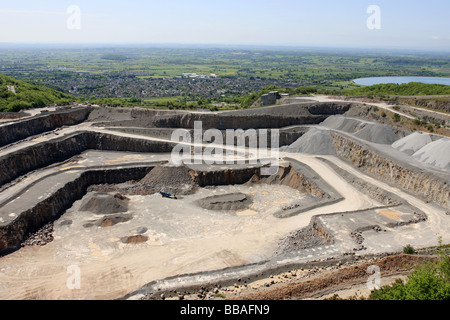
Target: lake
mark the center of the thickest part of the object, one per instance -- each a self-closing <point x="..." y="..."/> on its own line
<point x="401" y="80"/>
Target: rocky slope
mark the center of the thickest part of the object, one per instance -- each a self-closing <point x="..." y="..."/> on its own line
<point x="19" y="130"/>
<point x="431" y="186"/>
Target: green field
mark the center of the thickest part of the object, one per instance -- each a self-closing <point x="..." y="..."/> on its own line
<point x="126" y="76"/>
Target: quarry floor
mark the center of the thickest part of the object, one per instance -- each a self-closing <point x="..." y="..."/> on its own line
<point x="186" y="239"/>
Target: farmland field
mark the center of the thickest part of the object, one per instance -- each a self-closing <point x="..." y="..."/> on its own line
<point x="146" y="72"/>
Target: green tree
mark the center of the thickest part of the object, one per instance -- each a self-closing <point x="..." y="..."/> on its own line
<point x="430" y="281"/>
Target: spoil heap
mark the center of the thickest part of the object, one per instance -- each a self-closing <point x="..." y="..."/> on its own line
<point x="231" y="201"/>
<point x="316" y="141"/>
<point x="104" y="203"/>
<point x="176" y="180"/>
<point x="436" y="153"/>
<point x="412" y="143"/>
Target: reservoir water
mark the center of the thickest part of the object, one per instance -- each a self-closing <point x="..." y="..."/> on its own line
<point x="401" y="80"/>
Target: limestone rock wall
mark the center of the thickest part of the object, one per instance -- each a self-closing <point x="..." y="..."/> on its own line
<point x="428" y="185"/>
<point x="19" y="130"/>
<point x="46" y="153"/>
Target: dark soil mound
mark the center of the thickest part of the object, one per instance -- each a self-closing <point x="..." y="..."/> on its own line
<point x="176" y="180"/>
<point x="110" y="221"/>
<point x="134" y="239"/>
<point x="231" y="201"/>
<point x="104" y="203"/>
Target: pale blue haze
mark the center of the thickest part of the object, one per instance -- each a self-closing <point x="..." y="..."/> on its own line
<point x="405" y="24"/>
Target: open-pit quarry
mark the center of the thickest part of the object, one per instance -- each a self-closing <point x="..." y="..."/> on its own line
<point x="81" y="189"/>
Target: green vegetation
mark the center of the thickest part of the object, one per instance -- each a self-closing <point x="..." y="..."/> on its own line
<point x="251" y="98"/>
<point x="410" y="89"/>
<point x="396" y="117"/>
<point x="428" y="282"/>
<point x="152" y="77"/>
<point x="134" y="72"/>
<point x="16" y="95"/>
<point x="115" y="57"/>
<point x="409" y="249"/>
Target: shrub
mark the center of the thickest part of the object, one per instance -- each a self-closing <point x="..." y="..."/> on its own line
<point x="428" y="282"/>
<point x="409" y="249"/>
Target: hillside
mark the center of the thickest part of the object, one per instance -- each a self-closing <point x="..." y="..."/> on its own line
<point x="16" y="95"/>
<point x="409" y="89"/>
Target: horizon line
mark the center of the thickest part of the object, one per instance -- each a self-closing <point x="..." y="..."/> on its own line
<point x="230" y="45"/>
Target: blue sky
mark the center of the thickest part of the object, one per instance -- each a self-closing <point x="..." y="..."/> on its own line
<point x="404" y="23"/>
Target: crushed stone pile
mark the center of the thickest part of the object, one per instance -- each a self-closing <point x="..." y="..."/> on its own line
<point x="342" y="123"/>
<point x="176" y="180"/>
<point x="377" y="133"/>
<point x="316" y="141"/>
<point x="307" y="237"/>
<point x="104" y="203"/>
<point x="412" y="143"/>
<point x="436" y="153"/>
<point x="365" y="130"/>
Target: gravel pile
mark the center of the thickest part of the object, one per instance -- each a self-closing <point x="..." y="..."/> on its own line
<point x="436" y="153"/>
<point x="369" y="131"/>
<point x="315" y="141"/>
<point x="412" y="143"/>
<point x="342" y="123"/>
<point x="176" y="180"/>
<point x="40" y="238"/>
<point x="104" y="203"/>
<point x="302" y="239"/>
<point x="377" y="133"/>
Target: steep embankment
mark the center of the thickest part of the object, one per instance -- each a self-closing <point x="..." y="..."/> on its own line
<point x="46" y="153"/>
<point x="432" y="186"/>
<point x="18" y="130"/>
<point x="269" y="117"/>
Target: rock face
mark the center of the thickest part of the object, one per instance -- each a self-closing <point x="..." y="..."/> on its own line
<point x="225" y="177"/>
<point x="281" y="116"/>
<point x="40" y="238"/>
<point x="431" y="186"/>
<point x="29" y="127"/>
<point x="58" y="150"/>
